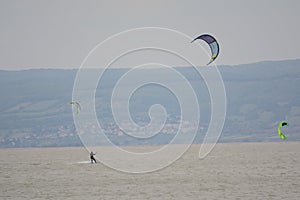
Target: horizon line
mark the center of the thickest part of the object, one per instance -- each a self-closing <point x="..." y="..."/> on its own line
<point x="127" y="67"/>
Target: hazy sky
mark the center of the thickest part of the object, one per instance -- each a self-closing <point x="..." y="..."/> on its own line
<point x="59" y="34"/>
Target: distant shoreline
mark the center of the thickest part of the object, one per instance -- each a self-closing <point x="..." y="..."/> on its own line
<point x="150" y="146"/>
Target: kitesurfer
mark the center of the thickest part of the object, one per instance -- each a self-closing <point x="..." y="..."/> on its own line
<point x="92" y="157"/>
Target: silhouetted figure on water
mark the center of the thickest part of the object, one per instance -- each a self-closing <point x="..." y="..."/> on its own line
<point x="92" y="157"/>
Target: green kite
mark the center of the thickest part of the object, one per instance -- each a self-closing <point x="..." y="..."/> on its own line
<point x="282" y="136"/>
<point x="77" y="106"/>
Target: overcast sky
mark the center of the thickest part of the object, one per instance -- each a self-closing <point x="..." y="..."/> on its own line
<point x="59" y="34"/>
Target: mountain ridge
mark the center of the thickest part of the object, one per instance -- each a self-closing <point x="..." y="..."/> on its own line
<point x="34" y="109"/>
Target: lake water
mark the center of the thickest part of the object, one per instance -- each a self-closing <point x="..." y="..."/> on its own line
<point x="230" y="171"/>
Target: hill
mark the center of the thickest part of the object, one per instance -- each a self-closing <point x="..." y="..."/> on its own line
<point x="34" y="109"/>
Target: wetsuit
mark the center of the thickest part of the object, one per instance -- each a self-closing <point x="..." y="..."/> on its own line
<point x="92" y="157"/>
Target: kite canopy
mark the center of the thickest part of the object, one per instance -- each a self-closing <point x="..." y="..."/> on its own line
<point x="213" y="44"/>
<point x="282" y="136"/>
<point x="77" y="106"/>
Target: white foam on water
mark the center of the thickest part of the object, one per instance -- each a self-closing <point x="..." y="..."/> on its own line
<point x="84" y="162"/>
